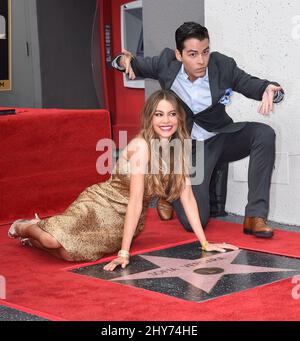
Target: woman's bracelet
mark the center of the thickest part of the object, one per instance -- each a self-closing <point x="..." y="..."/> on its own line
<point x="204" y="245"/>
<point x="124" y="254"/>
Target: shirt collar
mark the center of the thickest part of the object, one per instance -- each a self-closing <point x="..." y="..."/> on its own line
<point x="185" y="75"/>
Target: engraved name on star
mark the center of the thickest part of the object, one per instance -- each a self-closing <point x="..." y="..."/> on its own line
<point x="203" y="273"/>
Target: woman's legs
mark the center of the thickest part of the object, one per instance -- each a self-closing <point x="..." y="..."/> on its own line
<point x="42" y="240"/>
<point x="60" y="253"/>
<point x="33" y="231"/>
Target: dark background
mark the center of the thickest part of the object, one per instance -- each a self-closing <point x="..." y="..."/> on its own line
<point x="65" y="32"/>
<point x="4" y="43"/>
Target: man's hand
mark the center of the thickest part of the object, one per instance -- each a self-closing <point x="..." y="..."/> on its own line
<point x="125" y="62"/>
<point x="123" y="261"/>
<point x="267" y="100"/>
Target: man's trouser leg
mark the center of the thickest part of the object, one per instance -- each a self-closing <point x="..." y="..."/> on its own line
<point x="256" y="140"/>
<point x="212" y="149"/>
<point x="218" y="190"/>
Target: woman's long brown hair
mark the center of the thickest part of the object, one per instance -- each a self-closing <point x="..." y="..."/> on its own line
<point x="165" y="184"/>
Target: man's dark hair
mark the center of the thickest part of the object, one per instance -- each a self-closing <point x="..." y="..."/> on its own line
<point x="187" y="31"/>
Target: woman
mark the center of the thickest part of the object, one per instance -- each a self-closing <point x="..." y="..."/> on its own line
<point x="107" y="216"/>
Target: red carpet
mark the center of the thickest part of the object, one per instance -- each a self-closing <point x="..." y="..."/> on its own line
<point x="38" y="283"/>
<point x="43" y="151"/>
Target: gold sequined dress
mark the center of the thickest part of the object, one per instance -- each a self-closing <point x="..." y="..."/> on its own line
<point x="93" y="224"/>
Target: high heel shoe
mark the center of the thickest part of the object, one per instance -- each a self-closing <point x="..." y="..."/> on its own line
<point x="26" y="242"/>
<point x="12" y="233"/>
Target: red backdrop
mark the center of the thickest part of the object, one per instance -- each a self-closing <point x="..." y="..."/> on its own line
<point x="124" y="104"/>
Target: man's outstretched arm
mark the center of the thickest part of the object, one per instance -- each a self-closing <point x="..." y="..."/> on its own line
<point x="147" y="67"/>
<point x="122" y="62"/>
<point x="273" y="94"/>
<point x="259" y="89"/>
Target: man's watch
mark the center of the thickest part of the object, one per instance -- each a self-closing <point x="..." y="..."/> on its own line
<point x="278" y="97"/>
<point x="115" y="63"/>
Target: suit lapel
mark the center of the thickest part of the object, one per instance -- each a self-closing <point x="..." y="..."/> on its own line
<point x="213" y="74"/>
<point x="172" y="73"/>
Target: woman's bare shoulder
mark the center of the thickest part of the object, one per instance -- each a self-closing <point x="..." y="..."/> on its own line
<point x="137" y="146"/>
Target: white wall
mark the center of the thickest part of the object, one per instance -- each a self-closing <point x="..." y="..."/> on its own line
<point x="264" y="38"/>
<point x="161" y="18"/>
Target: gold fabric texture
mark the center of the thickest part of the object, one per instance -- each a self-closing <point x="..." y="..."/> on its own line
<point x="93" y="224"/>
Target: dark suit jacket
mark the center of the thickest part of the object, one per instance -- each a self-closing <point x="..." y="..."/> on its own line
<point x="223" y="74"/>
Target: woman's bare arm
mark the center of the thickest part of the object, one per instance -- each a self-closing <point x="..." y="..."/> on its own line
<point x="191" y="210"/>
<point x="138" y="166"/>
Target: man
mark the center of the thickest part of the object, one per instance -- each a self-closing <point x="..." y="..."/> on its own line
<point x="204" y="82"/>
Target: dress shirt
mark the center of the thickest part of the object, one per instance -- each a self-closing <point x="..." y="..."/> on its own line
<point x="197" y="96"/>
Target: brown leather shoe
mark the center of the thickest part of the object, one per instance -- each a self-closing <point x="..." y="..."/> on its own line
<point x="164" y="209"/>
<point x="257" y="226"/>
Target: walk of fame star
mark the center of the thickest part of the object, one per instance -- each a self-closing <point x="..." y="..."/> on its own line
<point x="179" y="271"/>
<point x="202" y="273"/>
